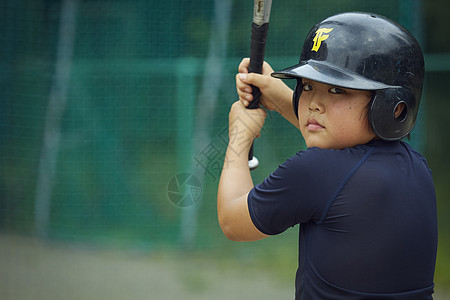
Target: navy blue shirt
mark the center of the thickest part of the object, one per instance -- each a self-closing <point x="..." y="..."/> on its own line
<point x="367" y="215"/>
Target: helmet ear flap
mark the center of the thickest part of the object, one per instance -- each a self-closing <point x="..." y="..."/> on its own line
<point x="382" y="113"/>
<point x="296" y="97"/>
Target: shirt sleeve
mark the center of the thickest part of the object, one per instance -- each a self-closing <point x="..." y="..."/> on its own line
<point x="298" y="191"/>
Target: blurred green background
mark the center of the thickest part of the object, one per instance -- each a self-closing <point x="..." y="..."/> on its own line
<point x="113" y="129"/>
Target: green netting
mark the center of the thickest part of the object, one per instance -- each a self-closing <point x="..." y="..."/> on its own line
<point x="103" y="103"/>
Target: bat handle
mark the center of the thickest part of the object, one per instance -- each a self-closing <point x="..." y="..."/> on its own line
<point x="253" y="162"/>
<point x="257" y="49"/>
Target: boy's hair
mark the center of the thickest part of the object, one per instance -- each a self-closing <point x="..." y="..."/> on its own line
<point x="365" y="51"/>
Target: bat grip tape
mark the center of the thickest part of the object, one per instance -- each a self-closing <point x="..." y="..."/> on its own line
<point x="257" y="51"/>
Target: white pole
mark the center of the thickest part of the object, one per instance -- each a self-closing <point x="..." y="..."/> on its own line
<point x="55" y="110"/>
<point x="211" y="83"/>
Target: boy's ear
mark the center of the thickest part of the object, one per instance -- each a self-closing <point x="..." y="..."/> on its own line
<point x="400" y="111"/>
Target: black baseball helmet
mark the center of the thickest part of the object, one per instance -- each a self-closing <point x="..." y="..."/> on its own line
<point x="365" y="51"/>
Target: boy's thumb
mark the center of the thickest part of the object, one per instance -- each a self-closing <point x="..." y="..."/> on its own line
<point x="250" y="78"/>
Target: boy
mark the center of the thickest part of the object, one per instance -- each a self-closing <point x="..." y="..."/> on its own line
<point x="364" y="200"/>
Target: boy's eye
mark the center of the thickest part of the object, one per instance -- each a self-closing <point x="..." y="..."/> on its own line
<point x="307" y="87"/>
<point x="336" y="90"/>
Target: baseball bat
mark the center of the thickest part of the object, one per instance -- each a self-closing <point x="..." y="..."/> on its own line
<point x="260" y="27"/>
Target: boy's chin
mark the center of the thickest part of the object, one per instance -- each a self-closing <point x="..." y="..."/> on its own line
<point x="327" y="145"/>
<point x="320" y="142"/>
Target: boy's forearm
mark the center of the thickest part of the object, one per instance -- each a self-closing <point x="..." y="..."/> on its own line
<point x="242" y="132"/>
<point x="234" y="186"/>
<point x="285" y="107"/>
<point x="235" y="179"/>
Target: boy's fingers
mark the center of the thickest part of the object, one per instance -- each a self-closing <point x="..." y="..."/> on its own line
<point x="241" y="84"/>
<point x="243" y="66"/>
<point x="244" y="86"/>
<point x="245" y="98"/>
<point x="243" y="76"/>
<point x="244" y="90"/>
<point x="253" y="79"/>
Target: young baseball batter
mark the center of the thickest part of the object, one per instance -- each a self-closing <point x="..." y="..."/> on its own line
<point x="364" y="199"/>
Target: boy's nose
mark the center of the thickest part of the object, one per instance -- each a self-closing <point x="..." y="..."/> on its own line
<point x="316" y="106"/>
<point x="313" y="108"/>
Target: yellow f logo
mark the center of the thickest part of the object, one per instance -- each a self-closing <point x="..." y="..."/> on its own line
<point x="320" y="37"/>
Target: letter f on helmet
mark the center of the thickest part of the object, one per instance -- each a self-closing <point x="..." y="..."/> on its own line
<point x="320" y="37"/>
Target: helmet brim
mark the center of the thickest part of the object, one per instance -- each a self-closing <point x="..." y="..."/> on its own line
<point x="323" y="73"/>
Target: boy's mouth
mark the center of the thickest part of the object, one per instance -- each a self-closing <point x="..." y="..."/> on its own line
<point x="312" y="124"/>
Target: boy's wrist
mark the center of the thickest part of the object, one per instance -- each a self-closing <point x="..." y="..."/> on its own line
<point x="236" y="158"/>
<point x="239" y="145"/>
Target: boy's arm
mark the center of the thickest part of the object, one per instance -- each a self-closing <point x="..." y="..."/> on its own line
<point x="235" y="181"/>
<point x="276" y="95"/>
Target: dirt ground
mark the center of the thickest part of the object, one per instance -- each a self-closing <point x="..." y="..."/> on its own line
<point x="31" y="270"/>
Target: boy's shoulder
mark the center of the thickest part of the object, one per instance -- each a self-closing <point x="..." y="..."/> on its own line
<point x="378" y="150"/>
<point x="333" y="153"/>
<point x="318" y="161"/>
<point x="378" y="144"/>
